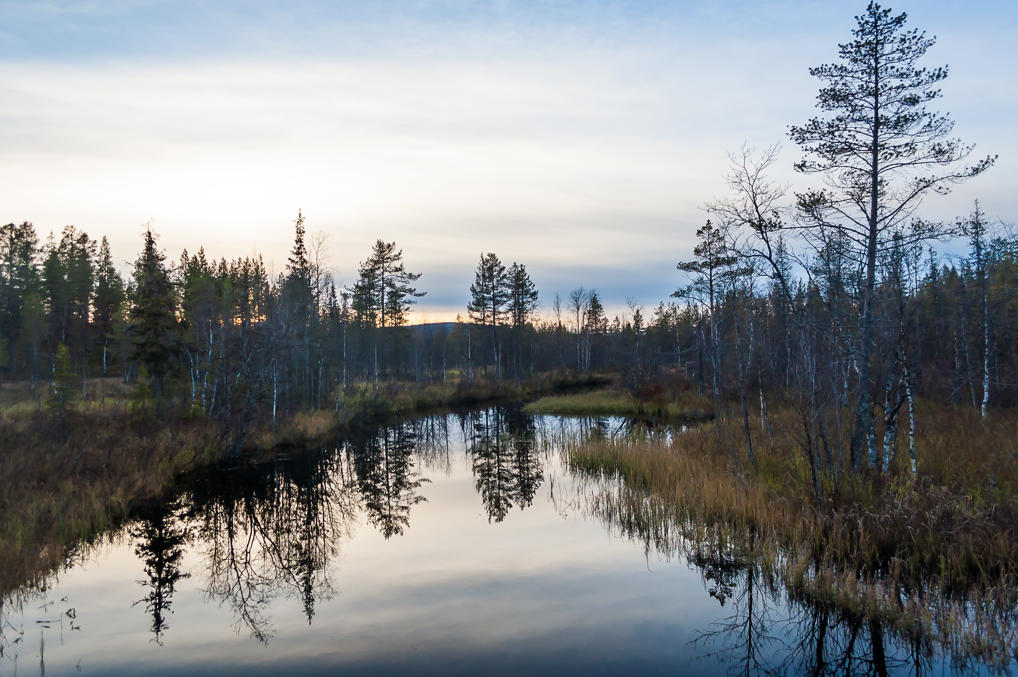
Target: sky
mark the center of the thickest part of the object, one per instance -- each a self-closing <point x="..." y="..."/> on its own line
<point x="582" y="139"/>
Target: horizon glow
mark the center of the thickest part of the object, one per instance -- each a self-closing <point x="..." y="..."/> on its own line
<point x="581" y="139"/>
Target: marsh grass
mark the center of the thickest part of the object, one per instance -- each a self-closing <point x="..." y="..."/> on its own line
<point x="935" y="555"/>
<point x="616" y="402"/>
<point x="66" y="482"/>
<point x="61" y="486"/>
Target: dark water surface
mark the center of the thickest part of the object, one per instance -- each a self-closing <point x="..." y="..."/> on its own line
<point x="449" y="545"/>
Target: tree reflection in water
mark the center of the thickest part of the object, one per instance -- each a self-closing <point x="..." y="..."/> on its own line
<point x="432" y="447"/>
<point x="387" y="476"/>
<point x="160" y="537"/>
<point x="506" y="465"/>
<point x="272" y="531"/>
<point x="742" y="637"/>
<point x="777" y="629"/>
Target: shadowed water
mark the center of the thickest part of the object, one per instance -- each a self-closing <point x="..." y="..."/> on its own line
<point x="460" y="544"/>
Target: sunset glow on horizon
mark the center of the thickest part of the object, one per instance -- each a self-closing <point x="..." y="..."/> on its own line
<point x="580" y="139"/>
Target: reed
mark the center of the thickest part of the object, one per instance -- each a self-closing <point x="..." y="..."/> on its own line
<point x="935" y="554"/>
<point x="72" y="479"/>
<point x="616" y="402"/>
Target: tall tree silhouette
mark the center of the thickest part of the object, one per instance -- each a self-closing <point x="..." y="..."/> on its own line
<point x="297" y="301"/>
<point x="107" y="299"/>
<point x="881" y="151"/>
<point x="522" y="304"/>
<point x="19" y="287"/>
<point x="384" y="293"/>
<point x="153" y="327"/>
<point x="714" y="269"/>
<point x="489" y="303"/>
<point x="160" y="538"/>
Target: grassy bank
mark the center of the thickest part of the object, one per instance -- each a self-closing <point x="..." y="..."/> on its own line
<point x="368" y="405"/>
<point x="935" y="555"/>
<point x="67" y="482"/>
<point x="616" y="402"/>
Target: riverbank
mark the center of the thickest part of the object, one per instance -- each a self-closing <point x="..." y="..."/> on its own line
<point x="368" y="405"/>
<point x="72" y="478"/>
<point x="886" y="548"/>
<point x="616" y="402"/>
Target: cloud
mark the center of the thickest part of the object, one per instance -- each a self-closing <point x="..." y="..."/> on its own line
<point x="449" y="159"/>
<point x="578" y="138"/>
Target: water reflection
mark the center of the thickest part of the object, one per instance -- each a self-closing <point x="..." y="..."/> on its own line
<point x="387" y="476"/>
<point x="743" y="636"/>
<point x="160" y="538"/>
<point x="505" y="461"/>
<point x="272" y="530"/>
<point x="248" y="536"/>
<point x="773" y="628"/>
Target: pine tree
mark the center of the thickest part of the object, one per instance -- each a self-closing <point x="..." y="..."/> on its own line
<point x="881" y="151"/>
<point x="522" y="304"/>
<point x="19" y="282"/>
<point x="67" y="276"/>
<point x="489" y="302"/>
<point x="715" y="268"/>
<point x="384" y="293"/>
<point x="107" y="298"/>
<point x="522" y="295"/>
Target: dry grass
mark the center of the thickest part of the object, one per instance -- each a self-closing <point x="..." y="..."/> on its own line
<point x="936" y="554"/>
<point x="614" y="402"/>
<point x="100" y="394"/>
<point x="62" y="483"/>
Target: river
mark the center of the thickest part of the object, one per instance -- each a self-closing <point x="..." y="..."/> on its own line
<point x="459" y="544"/>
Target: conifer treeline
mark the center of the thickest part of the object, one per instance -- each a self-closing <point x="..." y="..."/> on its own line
<point x="229" y="339"/>
<point x="293" y="340"/>
<point x="834" y="301"/>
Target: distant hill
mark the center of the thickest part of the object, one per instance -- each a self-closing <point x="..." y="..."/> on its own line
<point x="432" y="328"/>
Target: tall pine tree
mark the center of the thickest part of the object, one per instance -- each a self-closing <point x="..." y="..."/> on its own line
<point x="489" y="302"/>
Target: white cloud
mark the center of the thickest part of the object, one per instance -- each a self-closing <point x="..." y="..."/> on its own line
<point x="582" y="157"/>
<point x="443" y="157"/>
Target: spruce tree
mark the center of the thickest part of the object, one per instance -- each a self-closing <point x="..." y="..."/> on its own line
<point x="153" y="329"/>
<point x="596" y="320"/>
<point x="301" y="315"/>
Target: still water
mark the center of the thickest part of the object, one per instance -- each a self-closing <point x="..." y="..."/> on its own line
<point x="460" y="544"/>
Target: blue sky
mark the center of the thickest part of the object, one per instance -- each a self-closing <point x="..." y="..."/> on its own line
<point x="580" y="138"/>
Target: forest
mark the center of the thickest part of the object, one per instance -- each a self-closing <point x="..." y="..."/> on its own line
<point x="227" y="338"/>
<point x="838" y="301"/>
<point x="837" y="372"/>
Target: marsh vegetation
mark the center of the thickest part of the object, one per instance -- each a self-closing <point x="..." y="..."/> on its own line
<point x="820" y="422"/>
<point x="499" y="514"/>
